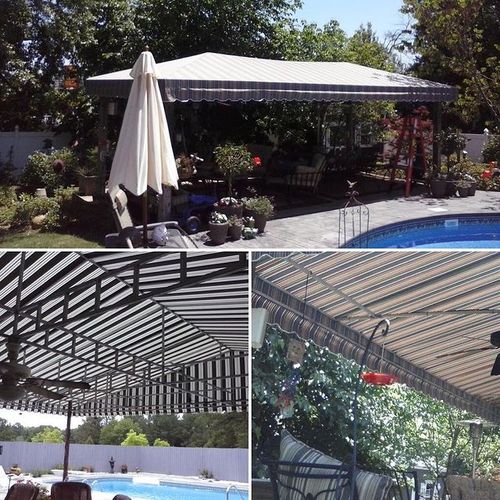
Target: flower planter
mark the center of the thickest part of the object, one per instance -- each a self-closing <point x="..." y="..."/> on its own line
<point x="88" y="184"/>
<point x="230" y="210"/>
<point x="472" y="189"/>
<point x="451" y="188"/>
<point x="235" y="231"/>
<point x="438" y="188"/>
<point x="463" y="191"/>
<point x="218" y="232"/>
<point x="260" y="222"/>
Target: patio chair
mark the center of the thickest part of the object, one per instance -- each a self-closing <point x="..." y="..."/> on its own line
<point x="70" y="490"/>
<point x="130" y="236"/>
<point x="22" y="491"/>
<point x="304" y="177"/>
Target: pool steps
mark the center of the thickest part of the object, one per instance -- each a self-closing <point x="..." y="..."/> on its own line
<point x="233" y="487"/>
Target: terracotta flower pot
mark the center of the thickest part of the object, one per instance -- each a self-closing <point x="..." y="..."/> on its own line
<point x="218" y="232"/>
<point x="235" y="231"/>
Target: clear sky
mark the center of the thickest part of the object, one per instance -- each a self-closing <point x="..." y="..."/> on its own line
<point x="384" y="15"/>
<point x="30" y="419"/>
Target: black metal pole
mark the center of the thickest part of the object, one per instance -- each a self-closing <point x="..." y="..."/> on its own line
<point x="66" y="442"/>
<point x="387" y="324"/>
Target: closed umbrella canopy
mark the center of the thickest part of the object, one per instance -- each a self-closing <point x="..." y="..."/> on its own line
<point x="144" y="155"/>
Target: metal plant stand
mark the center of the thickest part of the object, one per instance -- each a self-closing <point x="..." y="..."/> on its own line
<point x="354" y="218"/>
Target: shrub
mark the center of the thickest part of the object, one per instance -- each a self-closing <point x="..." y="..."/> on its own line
<point x="161" y="442"/>
<point x="491" y="150"/>
<point x="206" y="474"/>
<point x="65" y="210"/>
<point x="50" y="170"/>
<point x="8" y="200"/>
<point x="30" y="206"/>
<point x="259" y="205"/>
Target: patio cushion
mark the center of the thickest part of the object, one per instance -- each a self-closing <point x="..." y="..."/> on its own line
<point x="121" y="200"/>
<point x="370" y="486"/>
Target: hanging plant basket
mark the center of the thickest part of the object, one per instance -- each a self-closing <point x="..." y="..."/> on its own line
<point x="375" y="378"/>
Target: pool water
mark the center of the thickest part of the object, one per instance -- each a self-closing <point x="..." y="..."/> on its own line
<point x="471" y="232"/>
<point x="164" y="491"/>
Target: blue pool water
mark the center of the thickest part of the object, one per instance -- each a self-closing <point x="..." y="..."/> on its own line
<point x="164" y="491"/>
<point x="452" y="231"/>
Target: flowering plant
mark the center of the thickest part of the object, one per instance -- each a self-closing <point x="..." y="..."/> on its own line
<point x="228" y="201"/>
<point x="257" y="161"/>
<point x="218" y="218"/>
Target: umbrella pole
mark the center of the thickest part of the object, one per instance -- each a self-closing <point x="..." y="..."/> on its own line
<point x="66" y="442"/>
<point x="145" y="219"/>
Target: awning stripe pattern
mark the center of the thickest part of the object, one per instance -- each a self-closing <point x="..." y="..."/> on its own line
<point x="130" y="321"/>
<point x="222" y="77"/>
<point x="437" y="303"/>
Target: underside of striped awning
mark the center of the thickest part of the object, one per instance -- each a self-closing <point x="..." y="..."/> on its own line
<point x="151" y="332"/>
<point x="439" y="303"/>
<point x="229" y="78"/>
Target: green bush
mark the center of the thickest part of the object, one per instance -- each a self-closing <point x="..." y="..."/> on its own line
<point x="8" y="200"/>
<point x="491" y="150"/>
<point x="65" y="210"/>
<point x="30" y="206"/>
<point x="161" y="442"/>
<point x="50" y="170"/>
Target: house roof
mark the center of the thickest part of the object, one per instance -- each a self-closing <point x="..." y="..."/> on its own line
<point x="438" y="303"/>
<point x="221" y="77"/>
<point x="155" y="332"/>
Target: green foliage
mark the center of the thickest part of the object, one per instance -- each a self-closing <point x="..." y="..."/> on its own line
<point x="232" y="160"/>
<point x="65" y="211"/>
<point x="259" y="205"/>
<point x="206" y="474"/>
<point x="40" y="472"/>
<point x="456" y="43"/>
<point x="88" y="432"/>
<point x="30" y="206"/>
<point x="50" y="171"/>
<point x="134" y="439"/>
<point x="48" y="435"/>
<point x="161" y="442"/>
<point x="491" y="150"/>
<point x="397" y="426"/>
<point x="116" y="431"/>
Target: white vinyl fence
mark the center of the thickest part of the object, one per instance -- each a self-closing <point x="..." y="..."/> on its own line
<point x="16" y="146"/>
<point x="224" y="463"/>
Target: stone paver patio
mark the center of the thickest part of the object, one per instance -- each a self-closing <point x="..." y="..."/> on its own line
<point x="319" y="229"/>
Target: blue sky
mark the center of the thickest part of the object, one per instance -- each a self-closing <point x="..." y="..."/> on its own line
<point x="383" y="14"/>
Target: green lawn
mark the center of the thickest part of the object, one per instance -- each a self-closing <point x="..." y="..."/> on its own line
<point x="36" y="239"/>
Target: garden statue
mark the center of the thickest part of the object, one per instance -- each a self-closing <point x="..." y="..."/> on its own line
<point x="112" y="465"/>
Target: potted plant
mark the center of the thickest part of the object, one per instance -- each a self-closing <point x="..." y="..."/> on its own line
<point x="232" y="160"/>
<point x="88" y="175"/>
<point x="260" y="208"/>
<point x="124" y="469"/>
<point x="438" y="184"/>
<point x="463" y="188"/>
<point x="235" y="228"/>
<point x="218" y="227"/>
<point x="249" y="221"/>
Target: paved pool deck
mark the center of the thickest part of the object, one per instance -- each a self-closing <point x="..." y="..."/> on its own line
<point x="317" y="227"/>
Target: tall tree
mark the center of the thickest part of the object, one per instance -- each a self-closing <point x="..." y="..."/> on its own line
<point x="88" y="432"/>
<point x="456" y="42"/>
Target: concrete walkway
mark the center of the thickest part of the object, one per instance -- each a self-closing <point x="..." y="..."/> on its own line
<point x="319" y="228"/>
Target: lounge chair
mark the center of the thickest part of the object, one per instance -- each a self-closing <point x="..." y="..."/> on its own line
<point x="130" y="236"/>
<point x="22" y="491"/>
<point x="70" y="490"/>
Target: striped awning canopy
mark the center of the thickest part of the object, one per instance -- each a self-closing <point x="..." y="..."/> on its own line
<point x="222" y="77"/>
<point x="152" y="333"/>
<point x="438" y="303"/>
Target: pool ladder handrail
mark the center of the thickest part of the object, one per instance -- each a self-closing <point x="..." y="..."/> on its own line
<point x="233" y="487"/>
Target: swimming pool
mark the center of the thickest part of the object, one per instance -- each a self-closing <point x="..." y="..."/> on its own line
<point x="472" y="231"/>
<point x="162" y="491"/>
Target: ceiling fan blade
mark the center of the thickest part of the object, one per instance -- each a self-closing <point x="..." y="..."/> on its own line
<point x="69" y="384"/>
<point x="41" y="391"/>
<point x="496" y="366"/>
<point x="465" y="352"/>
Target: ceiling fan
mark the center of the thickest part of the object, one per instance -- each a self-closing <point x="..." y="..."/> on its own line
<point x="12" y="372"/>
<point x="495" y="344"/>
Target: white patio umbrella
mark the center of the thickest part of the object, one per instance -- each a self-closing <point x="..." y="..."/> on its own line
<point x="144" y="155"/>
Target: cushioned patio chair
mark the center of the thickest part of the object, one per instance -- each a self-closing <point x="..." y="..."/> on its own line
<point x="22" y="491"/>
<point x="304" y="177"/>
<point x="303" y="473"/>
<point x="70" y="490"/>
<point x="130" y="236"/>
